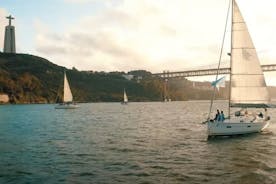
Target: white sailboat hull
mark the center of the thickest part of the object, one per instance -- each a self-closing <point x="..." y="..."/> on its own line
<point x="67" y="106"/>
<point x="235" y="128"/>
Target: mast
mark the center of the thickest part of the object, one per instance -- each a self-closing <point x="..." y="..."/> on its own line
<point x="220" y="56"/>
<point x="230" y="78"/>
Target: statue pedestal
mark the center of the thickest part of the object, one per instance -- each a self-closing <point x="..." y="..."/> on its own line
<point x="9" y="44"/>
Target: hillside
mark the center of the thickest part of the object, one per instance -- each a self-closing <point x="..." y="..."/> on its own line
<point x="31" y="79"/>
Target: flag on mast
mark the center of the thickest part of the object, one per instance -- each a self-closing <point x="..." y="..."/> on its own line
<point x="219" y="83"/>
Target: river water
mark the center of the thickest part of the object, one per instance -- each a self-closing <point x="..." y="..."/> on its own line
<point x="135" y="143"/>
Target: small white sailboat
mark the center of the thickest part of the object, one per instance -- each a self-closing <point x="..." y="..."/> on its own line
<point x="125" y="98"/>
<point x="67" y="97"/>
<point x="247" y="89"/>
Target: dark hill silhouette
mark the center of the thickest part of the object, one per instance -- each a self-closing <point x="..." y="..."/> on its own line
<point x="31" y="79"/>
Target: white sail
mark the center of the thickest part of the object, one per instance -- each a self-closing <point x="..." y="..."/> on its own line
<point x="125" y="96"/>
<point x="248" y="86"/>
<point x="67" y="96"/>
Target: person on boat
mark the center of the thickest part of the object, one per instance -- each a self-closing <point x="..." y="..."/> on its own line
<point x="246" y="113"/>
<point x="260" y="115"/>
<point x="221" y="116"/>
<point x="217" y="116"/>
<point x="266" y="117"/>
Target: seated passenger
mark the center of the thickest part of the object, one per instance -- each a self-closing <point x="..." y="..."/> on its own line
<point x="221" y="117"/>
<point x="261" y="115"/>
<point x="217" y="116"/>
<point x="238" y="113"/>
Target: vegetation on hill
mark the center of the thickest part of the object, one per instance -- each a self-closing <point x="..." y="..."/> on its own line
<point x="31" y="79"/>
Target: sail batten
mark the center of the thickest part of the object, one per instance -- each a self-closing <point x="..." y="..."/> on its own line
<point x="248" y="86"/>
<point x="67" y="94"/>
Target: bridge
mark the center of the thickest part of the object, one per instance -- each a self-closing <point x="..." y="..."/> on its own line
<point x="204" y="72"/>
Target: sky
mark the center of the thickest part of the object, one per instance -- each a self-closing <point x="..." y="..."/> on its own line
<point x="124" y="35"/>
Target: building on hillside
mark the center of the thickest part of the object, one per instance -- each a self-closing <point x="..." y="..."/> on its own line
<point x="128" y="77"/>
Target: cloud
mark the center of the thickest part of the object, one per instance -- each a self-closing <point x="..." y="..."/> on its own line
<point x="79" y="1"/>
<point x="106" y="2"/>
<point x="132" y="35"/>
<point x="139" y="34"/>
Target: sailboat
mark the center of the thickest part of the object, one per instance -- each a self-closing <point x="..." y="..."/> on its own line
<point x="247" y="88"/>
<point x="125" y="98"/>
<point x="67" y="96"/>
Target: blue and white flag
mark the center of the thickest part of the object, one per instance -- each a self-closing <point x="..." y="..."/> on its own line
<point x="219" y="83"/>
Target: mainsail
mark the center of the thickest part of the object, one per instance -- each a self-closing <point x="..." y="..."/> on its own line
<point x="248" y="86"/>
<point x="67" y="96"/>
<point x="125" y="96"/>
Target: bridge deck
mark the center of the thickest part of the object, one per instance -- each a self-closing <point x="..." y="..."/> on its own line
<point x="204" y="72"/>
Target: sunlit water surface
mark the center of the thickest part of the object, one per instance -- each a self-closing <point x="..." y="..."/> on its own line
<point x="135" y="143"/>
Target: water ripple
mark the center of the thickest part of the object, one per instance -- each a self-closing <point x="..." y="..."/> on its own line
<point x="138" y="143"/>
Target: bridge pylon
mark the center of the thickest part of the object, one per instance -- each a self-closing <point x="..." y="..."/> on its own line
<point x="166" y="96"/>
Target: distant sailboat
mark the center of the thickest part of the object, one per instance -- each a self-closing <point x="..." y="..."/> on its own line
<point x="67" y="97"/>
<point x="125" y="98"/>
<point x="247" y="85"/>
